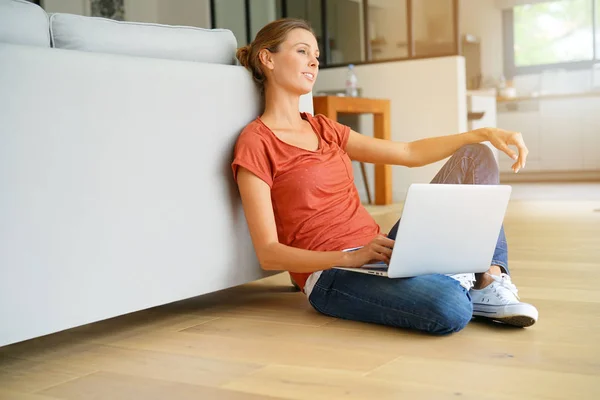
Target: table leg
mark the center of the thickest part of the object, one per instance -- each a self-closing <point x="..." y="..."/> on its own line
<point x="366" y="181"/>
<point x="383" y="173"/>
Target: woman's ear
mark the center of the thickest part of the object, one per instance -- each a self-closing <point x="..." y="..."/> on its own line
<point x="266" y="58"/>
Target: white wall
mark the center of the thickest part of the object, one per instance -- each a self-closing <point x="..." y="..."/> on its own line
<point x="230" y="15"/>
<point x="261" y="13"/>
<point x="79" y="7"/>
<point x="184" y="12"/>
<point x="170" y="12"/>
<point x="428" y="98"/>
<point x="141" y="11"/>
<point x="483" y="18"/>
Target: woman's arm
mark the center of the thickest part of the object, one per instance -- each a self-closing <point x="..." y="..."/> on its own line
<point x="272" y="255"/>
<point x="426" y="151"/>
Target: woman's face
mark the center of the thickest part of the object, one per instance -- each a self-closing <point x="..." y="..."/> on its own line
<point x="295" y="66"/>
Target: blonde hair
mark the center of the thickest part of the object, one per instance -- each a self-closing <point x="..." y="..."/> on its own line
<point x="269" y="37"/>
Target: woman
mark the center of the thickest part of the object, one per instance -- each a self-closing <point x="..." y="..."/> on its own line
<point x="295" y="179"/>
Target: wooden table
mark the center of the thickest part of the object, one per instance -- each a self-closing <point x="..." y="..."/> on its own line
<point x="331" y="106"/>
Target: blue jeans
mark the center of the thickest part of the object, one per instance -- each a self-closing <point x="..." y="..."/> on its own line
<point x="433" y="303"/>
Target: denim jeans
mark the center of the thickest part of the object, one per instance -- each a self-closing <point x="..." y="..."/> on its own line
<point x="433" y="303"/>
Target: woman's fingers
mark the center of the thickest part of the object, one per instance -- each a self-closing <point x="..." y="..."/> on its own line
<point x="523" y="152"/>
<point x="521" y="160"/>
<point x="379" y="257"/>
<point x="384" y="241"/>
<point x="516" y="139"/>
<point x="503" y="139"/>
<point x="382" y="250"/>
<point x="503" y="146"/>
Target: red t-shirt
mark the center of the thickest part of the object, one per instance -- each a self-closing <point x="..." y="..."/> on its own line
<point x="315" y="201"/>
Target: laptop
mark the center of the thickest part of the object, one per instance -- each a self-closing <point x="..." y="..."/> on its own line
<point x="445" y="229"/>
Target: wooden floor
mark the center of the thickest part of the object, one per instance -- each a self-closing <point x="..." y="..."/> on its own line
<point x="263" y="340"/>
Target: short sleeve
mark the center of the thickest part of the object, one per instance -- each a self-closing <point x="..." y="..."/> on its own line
<point x="340" y="133"/>
<point x="251" y="152"/>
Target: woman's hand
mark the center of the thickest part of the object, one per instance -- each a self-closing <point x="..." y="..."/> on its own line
<point x="380" y="249"/>
<point x="501" y="139"/>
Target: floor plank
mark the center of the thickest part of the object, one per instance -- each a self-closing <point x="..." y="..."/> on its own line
<point x="6" y="394"/>
<point x="262" y="351"/>
<point x="158" y="365"/>
<point x="510" y="381"/>
<point x="111" y="386"/>
<point x="28" y="376"/>
<point x="315" y="384"/>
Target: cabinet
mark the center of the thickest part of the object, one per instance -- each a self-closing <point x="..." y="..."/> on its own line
<point x="561" y="141"/>
<point x="591" y="134"/>
<point x="524" y="117"/>
<point x="562" y="134"/>
<point x="485" y="104"/>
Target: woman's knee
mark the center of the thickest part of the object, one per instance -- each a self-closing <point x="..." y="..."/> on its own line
<point x="452" y="310"/>
<point x="485" y="161"/>
<point x="476" y="150"/>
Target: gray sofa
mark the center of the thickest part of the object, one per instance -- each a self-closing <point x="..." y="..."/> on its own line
<point x="116" y="192"/>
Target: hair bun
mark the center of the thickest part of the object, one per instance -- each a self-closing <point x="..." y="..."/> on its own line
<point x="243" y="55"/>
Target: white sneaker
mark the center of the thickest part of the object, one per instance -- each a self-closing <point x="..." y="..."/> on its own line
<point x="499" y="301"/>
<point x="466" y="280"/>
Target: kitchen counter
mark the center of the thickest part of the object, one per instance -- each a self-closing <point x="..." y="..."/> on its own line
<point x="500" y="99"/>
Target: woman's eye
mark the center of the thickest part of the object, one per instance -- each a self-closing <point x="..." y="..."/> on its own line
<point x="302" y="51"/>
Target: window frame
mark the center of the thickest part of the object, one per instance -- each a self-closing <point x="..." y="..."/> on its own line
<point x="511" y="70"/>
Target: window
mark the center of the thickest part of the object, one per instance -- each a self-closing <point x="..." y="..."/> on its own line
<point x="310" y="11"/>
<point x="433" y="27"/>
<point x="244" y="17"/>
<point x="433" y="30"/>
<point x="261" y="13"/>
<point x="346" y="32"/>
<point x="551" y="34"/>
<point x="353" y="31"/>
<point x="388" y="30"/>
<point x="230" y="14"/>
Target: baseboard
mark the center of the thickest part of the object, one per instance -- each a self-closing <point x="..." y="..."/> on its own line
<point x="550" y="176"/>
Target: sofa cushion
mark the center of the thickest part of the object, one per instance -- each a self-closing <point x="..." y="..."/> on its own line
<point x="22" y="22"/>
<point x="102" y="35"/>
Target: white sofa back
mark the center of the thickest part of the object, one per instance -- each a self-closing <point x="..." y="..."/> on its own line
<point x="116" y="187"/>
<point x="22" y="22"/>
<point x="100" y="35"/>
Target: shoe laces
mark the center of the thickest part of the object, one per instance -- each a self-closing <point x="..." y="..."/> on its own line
<point x="504" y="284"/>
<point x="465" y="280"/>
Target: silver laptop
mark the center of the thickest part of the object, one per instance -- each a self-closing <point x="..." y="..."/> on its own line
<point x="445" y="229"/>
